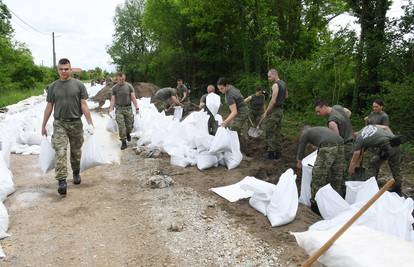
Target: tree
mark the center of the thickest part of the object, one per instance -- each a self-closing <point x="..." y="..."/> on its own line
<point x="5" y="16"/>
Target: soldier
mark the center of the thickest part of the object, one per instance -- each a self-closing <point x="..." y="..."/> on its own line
<point x="257" y="105"/>
<point x="329" y="164"/>
<point x="377" y="116"/>
<point x="183" y="95"/>
<point x="212" y="123"/>
<point x="166" y="98"/>
<point x="273" y="115"/>
<point x="238" y="110"/>
<point x="384" y="146"/>
<point x="122" y="95"/>
<point x="339" y="122"/>
<point x="67" y="98"/>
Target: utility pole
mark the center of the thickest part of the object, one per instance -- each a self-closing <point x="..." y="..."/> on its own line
<point x="54" y="53"/>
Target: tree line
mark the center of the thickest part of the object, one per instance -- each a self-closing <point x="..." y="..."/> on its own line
<point x="161" y="40"/>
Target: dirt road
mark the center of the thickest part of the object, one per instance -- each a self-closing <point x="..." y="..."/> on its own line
<point x="115" y="219"/>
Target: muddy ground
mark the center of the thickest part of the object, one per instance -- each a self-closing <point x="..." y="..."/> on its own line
<point x="115" y="219"/>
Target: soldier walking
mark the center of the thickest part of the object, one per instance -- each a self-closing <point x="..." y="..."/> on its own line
<point x="66" y="97"/>
<point x="122" y="95"/>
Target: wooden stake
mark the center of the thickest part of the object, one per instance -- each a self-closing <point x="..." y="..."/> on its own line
<point x="348" y="224"/>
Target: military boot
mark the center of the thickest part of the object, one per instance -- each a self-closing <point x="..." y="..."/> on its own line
<point x="62" y="187"/>
<point x="124" y="145"/>
<point x="76" y="177"/>
<point x="128" y="137"/>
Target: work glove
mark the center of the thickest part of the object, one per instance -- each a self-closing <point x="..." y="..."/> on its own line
<point x="90" y="129"/>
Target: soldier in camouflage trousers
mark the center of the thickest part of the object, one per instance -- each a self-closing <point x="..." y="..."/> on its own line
<point x="123" y="94"/>
<point x="329" y="168"/>
<point x="65" y="131"/>
<point x="66" y="98"/>
<point x="272" y="130"/>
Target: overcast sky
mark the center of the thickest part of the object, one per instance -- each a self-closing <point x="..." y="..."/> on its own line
<point x="83" y="29"/>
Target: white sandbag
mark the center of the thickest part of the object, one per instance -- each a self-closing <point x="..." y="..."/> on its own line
<point x="357" y="191"/>
<point x="221" y="141"/>
<point x="206" y="160"/>
<point x="178" y="113"/>
<point x="359" y="246"/>
<point x="4" y="221"/>
<point x="111" y="125"/>
<point x="5" y="148"/>
<point x="262" y="194"/>
<point x="203" y="143"/>
<point x="213" y="102"/>
<point x="284" y="203"/>
<point x="6" y="181"/>
<point x="235" y="191"/>
<point x="47" y="155"/>
<point x="305" y="185"/>
<point x="234" y="157"/>
<point x="29" y="138"/>
<point x="138" y="123"/>
<point x="178" y="160"/>
<point x="330" y="203"/>
<point x="219" y="119"/>
<point x="92" y="155"/>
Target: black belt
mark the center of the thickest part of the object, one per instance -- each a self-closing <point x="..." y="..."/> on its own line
<point x="123" y="106"/>
<point x="69" y="119"/>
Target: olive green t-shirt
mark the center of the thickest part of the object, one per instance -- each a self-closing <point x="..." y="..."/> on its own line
<point x="380" y="118"/>
<point x="340" y="109"/>
<point x="203" y="98"/>
<point x="233" y="96"/>
<point x="122" y="94"/>
<point x="343" y="123"/>
<point x="371" y="136"/>
<point x="164" y="94"/>
<point x="317" y="136"/>
<point x="181" y="90"/>
<point x="66" y="97"/>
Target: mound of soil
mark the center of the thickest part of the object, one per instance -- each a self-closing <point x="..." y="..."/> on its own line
<point x="141" y="90"/>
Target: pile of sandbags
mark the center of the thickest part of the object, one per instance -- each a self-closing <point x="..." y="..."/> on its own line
<point x="188" y="141"/>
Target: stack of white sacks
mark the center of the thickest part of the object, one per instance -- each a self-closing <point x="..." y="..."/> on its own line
<point x="6" y="188"/>
<point x="382" y="236"/>
<point x="188" y="142"/>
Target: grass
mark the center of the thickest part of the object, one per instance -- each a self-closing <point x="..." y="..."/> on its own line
<point x="9" y="98"/>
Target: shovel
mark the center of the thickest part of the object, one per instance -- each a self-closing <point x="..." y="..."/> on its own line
<point x="255" y="131"/>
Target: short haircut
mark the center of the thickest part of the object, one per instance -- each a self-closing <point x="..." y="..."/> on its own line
<point x="320" y="103"/>
<point x="212" y="86"/>
<point x="222" y="81"/>
<point x="63" y="61"/>
<point x="180" y="79"/>
<point x="119" y="74"/>
<point x="273" y="71"/>
<point x="379" y="102"/>
<point x="258" y="89"/>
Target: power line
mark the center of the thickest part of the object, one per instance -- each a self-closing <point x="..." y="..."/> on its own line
<point x="33" y="28"/>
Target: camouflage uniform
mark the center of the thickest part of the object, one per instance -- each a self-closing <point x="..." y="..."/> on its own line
<point x="272" y="130"/>
<point x="125" y="120"/>
<point x="64" y="131"/>
<point x="239" y="122"/>
<point x="328" y="168"/>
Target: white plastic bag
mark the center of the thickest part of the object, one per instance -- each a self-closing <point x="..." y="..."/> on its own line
<point x="111" y="126"/>
<point x="263" y="192"/>
<point x="330" y="203"/>
<point x="178" y="160"/>
<point x="305" y="185"/>
<point x="206" y="160"/>
<point x="284" y="203"/>
<point x="359" y="246"/>
<point x="178" y="113"/>
<point x="221" y="141"/>
<point x="47" y="155"/>
<point x="5" y="148"/>
<point x="357" y="191"/>
<point x="6" y="181"/>
<point x="234" y="157"/>
<point x="91" y="154"/>
<point x="4" y="221"/>
<point x="213" y="102"/>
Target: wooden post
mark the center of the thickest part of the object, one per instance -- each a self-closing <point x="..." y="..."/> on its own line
<point x="348" y="224"/>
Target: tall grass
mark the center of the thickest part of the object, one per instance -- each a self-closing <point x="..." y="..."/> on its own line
<point x="13" y="97"/>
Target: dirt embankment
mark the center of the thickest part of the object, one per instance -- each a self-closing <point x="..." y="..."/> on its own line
<point x="141" y="90"/>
